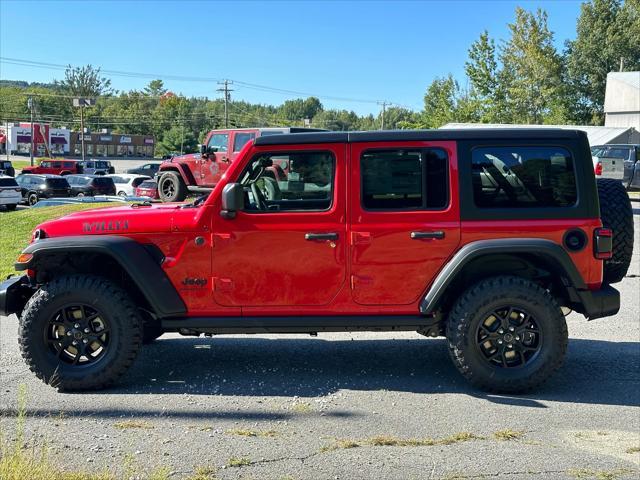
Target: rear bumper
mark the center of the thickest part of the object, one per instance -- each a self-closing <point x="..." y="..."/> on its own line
<point x="14" y="294"/>
<point x="600" y="303"/>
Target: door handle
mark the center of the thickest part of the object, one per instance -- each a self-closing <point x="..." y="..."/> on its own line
<point x="437" y="235"/>
<point x="320" y="236"/>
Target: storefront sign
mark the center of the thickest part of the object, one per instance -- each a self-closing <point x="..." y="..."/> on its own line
<point x="148" y="141"/>
<point x="106" y="138"/>
<point x="87" y="138"/>
<point x="124" y="139"/>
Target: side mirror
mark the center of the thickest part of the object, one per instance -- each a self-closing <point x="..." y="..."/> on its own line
<point x="232" y="200"/>
<point x="203" y="149"/>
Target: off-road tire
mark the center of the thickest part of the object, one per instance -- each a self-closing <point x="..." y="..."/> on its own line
<point x="105" y="297"/>
<point x="616" y="213"/>
<point x="171" y="187"/>
<point x="473" y="307"/>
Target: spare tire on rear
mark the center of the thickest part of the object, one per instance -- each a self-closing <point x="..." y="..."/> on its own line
<point x="616" y="213"/>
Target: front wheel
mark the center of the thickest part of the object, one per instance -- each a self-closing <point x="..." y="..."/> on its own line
<point x="171" y="187"/>
<point x="507" y="334"/>
<point x="80" y="332"/>
<point x="32" y="199"/>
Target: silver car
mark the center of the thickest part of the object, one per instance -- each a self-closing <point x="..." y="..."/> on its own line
<point x="10" y="192"/>
<point x="619" y="162"/>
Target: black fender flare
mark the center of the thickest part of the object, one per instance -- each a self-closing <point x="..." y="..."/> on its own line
<point x="581" y="298"/>
<point x="139" y="262"/>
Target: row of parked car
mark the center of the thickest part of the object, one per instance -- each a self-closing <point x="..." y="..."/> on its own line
<point x="31" y="188"/>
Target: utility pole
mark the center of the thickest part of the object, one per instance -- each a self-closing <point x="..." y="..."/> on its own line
<point x="622" y="64"/>
<point x="82" y="129"/>
<point x="384" y="108"/>
<point x="30" y="104"/>
<point x="227" y="97"/>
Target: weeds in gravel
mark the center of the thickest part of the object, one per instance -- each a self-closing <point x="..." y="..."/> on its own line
<point x="586" y="473"/>
<point x="302" y="407"/>
<point x="132" y="425"/>
<point x="389" y="441"/>
<point x="204" y="473"/>
<point x="508" y="434"/>
<point x="251" y="433"/>
<point x="633" y="450"/>
<point x="238" y="462"/>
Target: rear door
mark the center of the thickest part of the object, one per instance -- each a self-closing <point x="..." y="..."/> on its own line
<point x="404" y="218"/>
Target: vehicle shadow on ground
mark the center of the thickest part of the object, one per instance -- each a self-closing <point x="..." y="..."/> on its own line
<point x="597" y="372"/>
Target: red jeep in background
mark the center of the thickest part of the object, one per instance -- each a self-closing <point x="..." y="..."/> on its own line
<point x="55" y="167"/>
<point x="487" y="237"/>
<point x="199" y="172"/>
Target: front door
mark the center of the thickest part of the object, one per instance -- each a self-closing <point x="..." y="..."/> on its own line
<point x="212" y="168"/>
<point x="288" y="246"/>
<point x="404" y="218"/>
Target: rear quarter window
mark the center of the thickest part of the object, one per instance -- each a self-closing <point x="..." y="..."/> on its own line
<point x="523" y="177"/>
<point x="103" y="181"/>
<point x="8" y="182"/>
<point x="57" y="183"/>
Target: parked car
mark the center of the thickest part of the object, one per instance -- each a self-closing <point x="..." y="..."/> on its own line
<point x="148" y="188"/>
<point x="148" y="169"/>
<point x="126" y="183"/>
<point x="485" y="237"/>
<point x="10" y="192"/>
<point x="619" y="162"/>
<point x="199" y="172"/>
<point x="55" y="167"/>
<point x="6" y="168"/>
<point x="97" y="167"/>
<point x="35" y="187"/>
<point x="91" y="185"/>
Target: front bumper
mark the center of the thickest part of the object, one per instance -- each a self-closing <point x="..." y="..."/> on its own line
<point x="600" y="303"/>
<point x="14" y="294"/>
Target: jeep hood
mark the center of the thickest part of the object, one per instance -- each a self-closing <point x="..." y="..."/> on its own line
<point x="158" y="218"/>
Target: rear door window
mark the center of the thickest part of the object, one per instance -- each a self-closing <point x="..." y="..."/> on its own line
<point x="404" y="179"/>
<point x="523" y="177"/>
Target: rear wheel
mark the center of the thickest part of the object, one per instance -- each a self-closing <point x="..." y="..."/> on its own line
<point x="122" y="194"/>
<point x="32" y="199"/>
<point x="616" y="213"/>
<point x="507" y="334"/>
<point x="172" y="188"/>
<point x="80" y="332"/>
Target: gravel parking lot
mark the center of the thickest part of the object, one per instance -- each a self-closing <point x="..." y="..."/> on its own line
<point x="367" y="405"/>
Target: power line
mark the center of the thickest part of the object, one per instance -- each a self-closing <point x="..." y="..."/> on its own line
<point x="254" y="86"/>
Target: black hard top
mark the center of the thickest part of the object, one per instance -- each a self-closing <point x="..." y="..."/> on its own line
<point x="420" y="135"/>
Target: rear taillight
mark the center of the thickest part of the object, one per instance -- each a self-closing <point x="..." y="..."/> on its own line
<point x="598" y="168"/>
<point x="603" y="243"/>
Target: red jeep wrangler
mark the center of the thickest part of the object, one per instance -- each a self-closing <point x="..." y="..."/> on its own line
<point x="55" y="167"/>
<point x="487" y="237"/>
<point x="200" y="172"/>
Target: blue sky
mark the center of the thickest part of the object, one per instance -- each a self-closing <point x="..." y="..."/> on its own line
<point x="359" y="50"/>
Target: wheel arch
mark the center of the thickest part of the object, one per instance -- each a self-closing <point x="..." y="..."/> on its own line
<point x="183" y="170"/>
<point x="135" y="267"/>
<point x="536" y="259"/>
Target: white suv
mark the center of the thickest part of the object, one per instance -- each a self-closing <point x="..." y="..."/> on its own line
<point x="10" y="192"/>
<point x="126" y="183"/>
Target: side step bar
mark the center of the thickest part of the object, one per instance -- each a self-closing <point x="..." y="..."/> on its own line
<point x="306" y="324"/>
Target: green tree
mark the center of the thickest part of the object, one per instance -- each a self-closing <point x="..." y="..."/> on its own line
<point x="84" y="82"/>
<point x="607" y="32"/>
<point x="531" y="70"/>
<point x="177" y="139"/>
<point x="300" y="109"/>
<point x="487" y="92"/>
<point x="155" y="88"/>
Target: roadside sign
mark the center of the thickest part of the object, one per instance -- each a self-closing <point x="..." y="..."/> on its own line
<point x="84" y="102"/>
